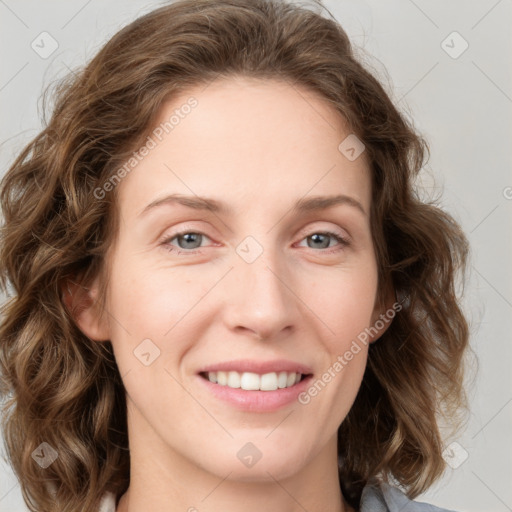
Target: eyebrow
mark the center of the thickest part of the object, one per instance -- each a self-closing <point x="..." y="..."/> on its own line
<point x="303" y="205"/>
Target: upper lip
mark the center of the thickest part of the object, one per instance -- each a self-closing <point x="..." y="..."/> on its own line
<point x="261" y="367"/>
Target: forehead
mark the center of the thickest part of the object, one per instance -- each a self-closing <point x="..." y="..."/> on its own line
<point x="243" y="140"/>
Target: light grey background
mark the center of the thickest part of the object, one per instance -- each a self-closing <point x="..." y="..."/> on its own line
<point x="462" y="105"/>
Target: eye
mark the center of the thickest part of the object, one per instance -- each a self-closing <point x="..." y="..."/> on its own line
<point x="188" y="242"/>
<point x="322" y="239"/>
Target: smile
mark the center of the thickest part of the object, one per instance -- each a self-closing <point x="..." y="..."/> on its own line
<point x="250" y="381"/>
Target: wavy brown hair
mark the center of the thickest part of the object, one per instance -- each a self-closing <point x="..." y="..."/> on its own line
<point x="64" y="389"/>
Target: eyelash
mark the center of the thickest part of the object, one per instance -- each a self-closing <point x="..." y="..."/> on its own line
<point x="343" y="242"/>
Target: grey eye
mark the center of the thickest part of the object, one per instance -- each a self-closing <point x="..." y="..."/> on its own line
<point x="190" y="240"/>
<point x="321" y="240"/>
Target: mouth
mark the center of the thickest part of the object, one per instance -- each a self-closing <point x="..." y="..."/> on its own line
<point x="256" y="385"/>
<point x="250" y="381"/>
<point x="253" y="392"/>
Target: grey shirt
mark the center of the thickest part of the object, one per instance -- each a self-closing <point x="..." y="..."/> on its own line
<point x="382" y="497"/>
<point x="375" y="498"/>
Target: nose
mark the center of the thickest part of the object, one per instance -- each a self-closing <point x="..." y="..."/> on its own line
<point x="261" y="301"/>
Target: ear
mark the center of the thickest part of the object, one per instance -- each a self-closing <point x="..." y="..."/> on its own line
<point x="83" y="305"/>
<point x="383" y="313"/>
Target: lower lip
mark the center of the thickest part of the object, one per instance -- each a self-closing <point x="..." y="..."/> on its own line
<point x="257" y="401"/>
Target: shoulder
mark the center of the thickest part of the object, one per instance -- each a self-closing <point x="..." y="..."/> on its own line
<point x="108" y="503"/>
<point x="381" y="497"/>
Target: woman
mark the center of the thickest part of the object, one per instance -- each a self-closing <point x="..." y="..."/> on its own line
<point x="298" y="355"/>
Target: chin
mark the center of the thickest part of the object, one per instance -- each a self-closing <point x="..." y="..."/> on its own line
<point x="258" y="461"/>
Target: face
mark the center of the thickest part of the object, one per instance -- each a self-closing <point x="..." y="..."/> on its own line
<point x="261" y="285"/>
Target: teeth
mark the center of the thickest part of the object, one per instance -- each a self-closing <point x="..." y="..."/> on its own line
<point x="282" y="379"/>
<point x="250" y="381"/>
<point x="253" y="381"/>
<point x="233" y="379"/>
<point x="268" y="382"/>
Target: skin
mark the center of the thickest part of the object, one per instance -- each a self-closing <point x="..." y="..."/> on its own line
<point x="258" y="146"/>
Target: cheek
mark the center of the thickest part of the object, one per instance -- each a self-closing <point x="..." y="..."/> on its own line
<point x="346" y="308"/>
<point x="146" y="298"/>
<point x="345" y="302"/>
<point x="151" y="303"/>
<point x="148" y="312"/>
